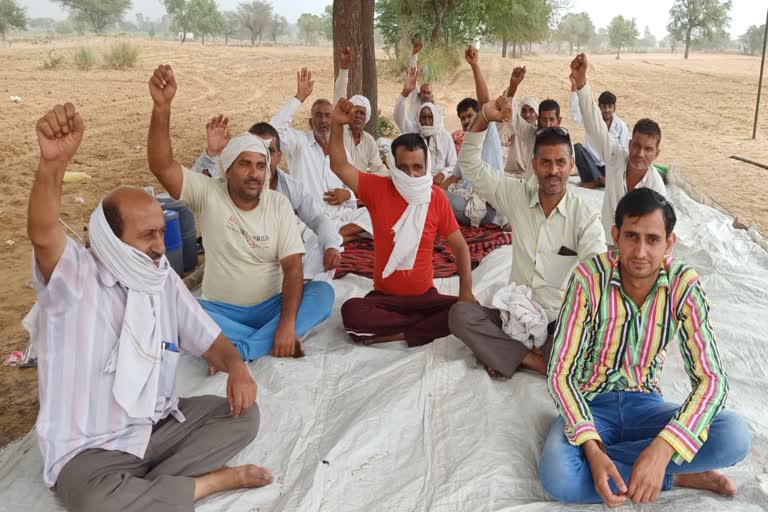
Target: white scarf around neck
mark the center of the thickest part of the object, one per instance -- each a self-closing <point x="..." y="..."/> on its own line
<point x="409" y="228"/>
<point x="135" y="359"/>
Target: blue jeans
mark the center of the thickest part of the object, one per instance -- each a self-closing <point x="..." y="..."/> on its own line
<point x="627" y="423"/>
<point x="252" y="328"/>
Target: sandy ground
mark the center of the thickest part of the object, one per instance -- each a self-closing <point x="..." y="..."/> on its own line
<point x="705" y="107"/>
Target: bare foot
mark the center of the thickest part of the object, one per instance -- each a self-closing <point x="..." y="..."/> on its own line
<point x="298" y="350"/>
<point x="494" y="374"/>
<point x="212" y="370"/>
<point x="588" y="184"/>
<point x="708" y="480"/>
<point x="228" y="478"/>
<point x="534" y="361"/>
<point x="507" y="228"/>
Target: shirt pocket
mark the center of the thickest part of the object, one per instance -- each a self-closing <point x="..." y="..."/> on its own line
<point x="168" y="366"/>
<point x="558" y="269"/>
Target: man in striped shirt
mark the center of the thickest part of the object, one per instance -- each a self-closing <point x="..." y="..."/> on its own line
<point x="620" y="314"/>
<point x="108" y="445"/>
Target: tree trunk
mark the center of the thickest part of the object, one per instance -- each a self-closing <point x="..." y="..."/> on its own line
<point x="253" y="38"/>
<point x="504" y="47"/>
<point x="347" y="31"/>
<point x="618" y="54"/>
<point x="226" y="39"/>
<point x="183" y="36"/>
<point x="687" y="43"/>
<point x="437" y="30"/>
<point x="370" y="84"/>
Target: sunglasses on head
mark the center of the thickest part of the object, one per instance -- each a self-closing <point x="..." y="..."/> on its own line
<point x="557" y="130"/>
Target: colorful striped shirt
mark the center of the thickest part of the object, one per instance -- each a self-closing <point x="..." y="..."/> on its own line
<point x="605" y="342"/>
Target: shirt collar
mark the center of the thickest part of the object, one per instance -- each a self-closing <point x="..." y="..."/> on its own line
<point x="561" y="207"/>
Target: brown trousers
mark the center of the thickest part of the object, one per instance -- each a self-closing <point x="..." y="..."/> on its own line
<point x="163" y="481"/>
<point x="480" y="329"/>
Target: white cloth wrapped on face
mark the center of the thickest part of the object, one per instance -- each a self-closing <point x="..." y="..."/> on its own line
<point x="522" y="319"/>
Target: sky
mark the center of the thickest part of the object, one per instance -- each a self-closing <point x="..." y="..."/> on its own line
<point x="651" y="13"/>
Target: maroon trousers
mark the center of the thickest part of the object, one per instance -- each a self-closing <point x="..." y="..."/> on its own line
<point x="423" y="318"/>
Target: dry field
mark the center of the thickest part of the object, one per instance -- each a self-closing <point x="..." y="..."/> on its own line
<point x="705" y="107"/>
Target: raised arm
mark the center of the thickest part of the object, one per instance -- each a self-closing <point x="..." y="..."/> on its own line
<point x="409" y="88"/>
<point x="594" y="125"/>
<point x="574" y="112"/>
<point x="342" y="81"/>
<point x="59" y="133"/>
<point x="282" y="121"/>
<point x="162" y="88"/>
<point x="519" y="126"/>
<point x="472" y="57"/>
<point x="341" y="115"/>
<point x="217" y="132"/>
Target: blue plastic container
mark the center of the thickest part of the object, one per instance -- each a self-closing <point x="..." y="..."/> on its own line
<point x="173" y="247"/>
<point x="188" y="229"/>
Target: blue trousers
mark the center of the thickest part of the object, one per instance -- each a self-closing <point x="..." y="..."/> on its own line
<point x="627" y="423"/>
<point x="252" y="328"/>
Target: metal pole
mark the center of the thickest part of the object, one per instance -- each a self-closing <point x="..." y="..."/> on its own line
<point x="760" y="83"/>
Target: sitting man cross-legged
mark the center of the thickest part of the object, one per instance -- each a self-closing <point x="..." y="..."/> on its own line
<point x="553" y="231"/>
<point x="621" y="313"/>
<point x="322" y="242"/>
<point x="408" y="213"/>
<point x="252" y="244"/>
<point x="110" y="322"/>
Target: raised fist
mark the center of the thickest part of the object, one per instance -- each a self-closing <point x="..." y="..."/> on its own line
<point x="59" y="133"/>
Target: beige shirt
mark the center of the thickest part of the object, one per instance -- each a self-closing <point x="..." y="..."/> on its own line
<point x="615" y="157"/>
<point x="538" y="241"/>
<point x="243" y="249"/>
<point x="522" y="136"/>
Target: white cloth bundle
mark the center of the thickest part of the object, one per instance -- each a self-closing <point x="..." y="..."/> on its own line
<point x="476" y="208"/>
<point x="522" y="319"/>
<point x="417" y="192"/>
<point x="135" y="359"/>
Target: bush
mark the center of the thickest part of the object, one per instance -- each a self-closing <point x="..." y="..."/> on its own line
<point x="121" y="56"/>
<point x="53" y="61"/>
<point x="435" y="63"/>
<point x="84" y="59"/>
<point x="386" y="127"/>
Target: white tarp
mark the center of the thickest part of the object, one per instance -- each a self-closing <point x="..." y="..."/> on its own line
<point x="385" y="428"/>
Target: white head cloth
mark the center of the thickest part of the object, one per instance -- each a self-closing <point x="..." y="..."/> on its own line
<point x="417" y="192"/>
<point x="362" y="101"/>
<point x="135" y="359"/>
<point x="532" y="102"/>
<point x="437" y="120"/>
<point x="239" y="144"/>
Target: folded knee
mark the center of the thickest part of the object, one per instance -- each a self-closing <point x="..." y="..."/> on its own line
<point x="558" y="484"/>
<point x="736" y="434"/>
<point x="354" y="311"/>
<point x="251" y="419"/>
<point x="459" y="317"/>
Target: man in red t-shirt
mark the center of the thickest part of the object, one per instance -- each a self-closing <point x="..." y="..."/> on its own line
<point x="408" y="213"/>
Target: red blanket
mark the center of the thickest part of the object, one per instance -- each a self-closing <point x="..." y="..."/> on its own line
<point x="357" y="257"/>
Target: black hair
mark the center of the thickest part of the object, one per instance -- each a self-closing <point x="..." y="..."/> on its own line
<point x="466" y="104"/>
<point x="112" y="214"/>
<point x="266" y="129"/>
<point x="641" y="202"/>
<point x="648" y="127"/>
<point x="552" y="136"/>
<point x="606" y="98"/>
<point x="411" y="142"/>
<point x="549" y="104"/>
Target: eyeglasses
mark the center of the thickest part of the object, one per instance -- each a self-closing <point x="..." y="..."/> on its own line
<point x="556" y="130"/>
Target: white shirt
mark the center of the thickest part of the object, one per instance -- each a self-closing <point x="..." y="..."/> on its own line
<point x="617" y="130"/>
<point x="306" y="160"/>
<point x="79" y="320"/>
<point x="365" y="155"/>
<point x="443" y="153"/>
<point x="307" y="208"/>
<point x="615" y="157"/>
<point x="539" y="241"/>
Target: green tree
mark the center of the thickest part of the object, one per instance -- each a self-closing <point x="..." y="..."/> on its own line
<point x="649" y="40"/>
<point x="231" y="25"/>
<point x="622" y="32"/>
<point x="99" y="14"/>
<point x="277" y="26"/>
<point x="327" y="22"/>
<point x="516" y="21"/>
<point x="577" y="30"/>
<point x="182" y="13"/>
<point x="691" y="20"/>
<point x="752" y="40"/>
<point x="310" y="25"/>
<point x="207" y="20"/>
<point x="255" y="16"/>
<point x="11" y="17"/>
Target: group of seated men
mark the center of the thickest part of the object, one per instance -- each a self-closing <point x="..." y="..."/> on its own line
<point x="112" y="319"/>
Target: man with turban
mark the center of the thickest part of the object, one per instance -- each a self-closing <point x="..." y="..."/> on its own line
<point x="360" y="144"/>
<point x="253" y="284"/>
<point x="108" y="327"/>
